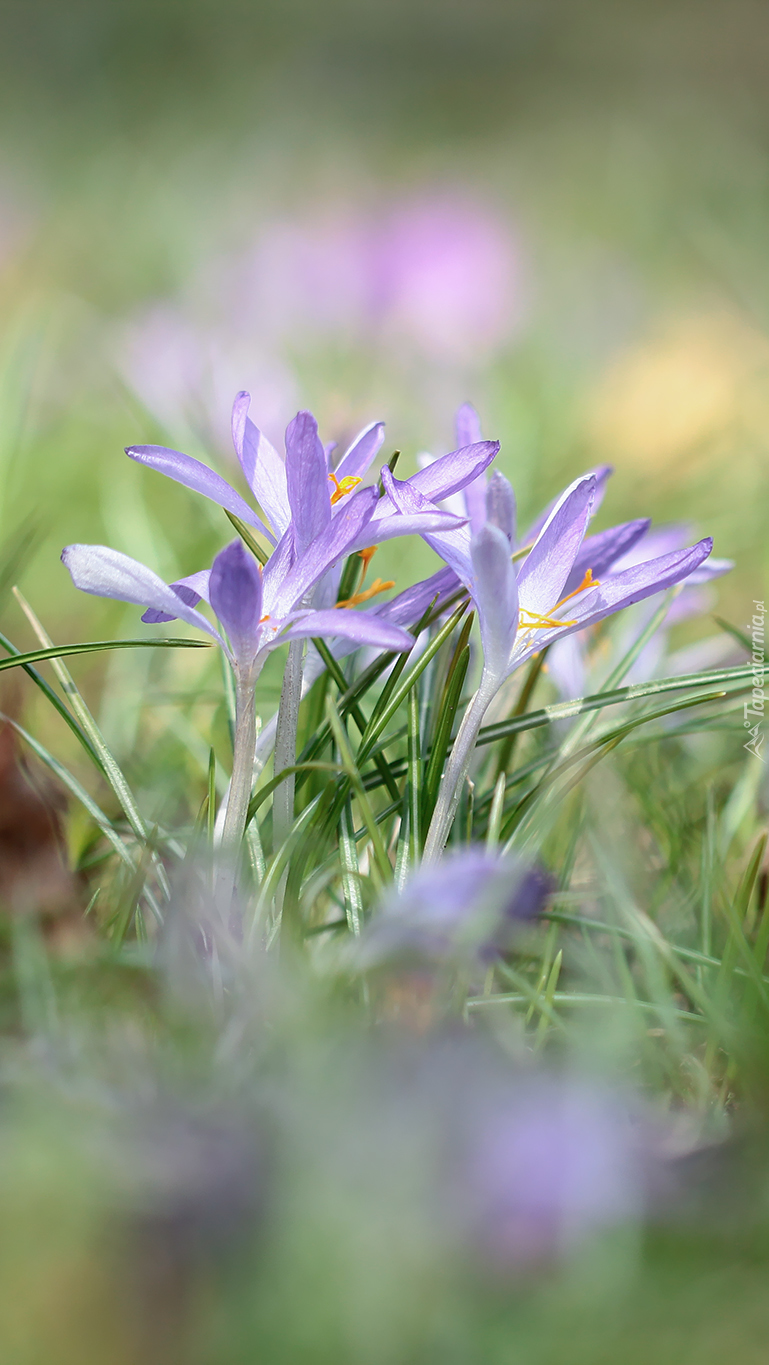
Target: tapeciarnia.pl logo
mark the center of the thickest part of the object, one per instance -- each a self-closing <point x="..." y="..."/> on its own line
<point x="754" y="708"/>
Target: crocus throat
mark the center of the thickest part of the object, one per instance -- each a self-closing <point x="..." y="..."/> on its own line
<point x="536" y="622"/>
<point x="342" y="487"/>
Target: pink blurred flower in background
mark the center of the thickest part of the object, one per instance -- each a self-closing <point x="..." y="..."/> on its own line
<point x="435" y="277"/>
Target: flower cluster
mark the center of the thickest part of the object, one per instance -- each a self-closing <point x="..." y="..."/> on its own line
<point x="314" y="512"/>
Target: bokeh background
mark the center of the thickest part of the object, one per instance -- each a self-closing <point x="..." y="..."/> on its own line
<point x="558" y="209"/>
<point x="555" y="208"/>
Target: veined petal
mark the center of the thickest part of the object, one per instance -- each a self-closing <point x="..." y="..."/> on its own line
<point x="618" y="591"/>
<point x="356" y="460"/>
<point x="468" y="432"/>
<point x="705" y="573"/>
<point x="309" y="491"/>
<point x="107" y="573"/>
<point x="334" y="540"/>
<point x="496" y="597"/>
<point x="599" y="553"/>
<point x="452" y="544"/>
<point x="192" y="474"/>
<point x="499" y="505"/>
<point x="450" y="473"/>
<point x="235" y="589"/>
<point x="410" y="605"/>
<point x="548" y="565"/>
<point x="467" y="425"/>
<point x="362" y="627"/>
<point x="262" y="465"/>
<point x="190" y="589"/>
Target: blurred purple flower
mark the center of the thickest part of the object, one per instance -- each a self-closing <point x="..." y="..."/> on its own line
<point x="470" y="904"/>
<point x="549" y="1165"/>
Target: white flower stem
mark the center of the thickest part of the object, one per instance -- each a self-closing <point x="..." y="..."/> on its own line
<point x="285" y="744"/>
<point x="457" y="769"/>
<point x="244" y="745"/>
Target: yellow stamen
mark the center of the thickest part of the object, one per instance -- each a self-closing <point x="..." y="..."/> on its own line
<point x="367" y="556"/>
<point x="376" y="587"/>
<point x="537" y="622"/>
<point x="342" y="487"/>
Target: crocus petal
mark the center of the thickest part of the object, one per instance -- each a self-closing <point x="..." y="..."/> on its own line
<point x="714" y="568"/>
<point x="601" y="475"/>
<point x="387" y="527"/>
<point x="547" y="567"/>
<point x="499" y="505"/>
<point x="410" y="606"/>
<point x="618" y="591"/>
<point x="356" y="461"/>
<point x="468" y="432"/>
<point x="191" y="589"/>
<point x="496" y="596"/>
<point x="452" y="545"/>
<point x="107" y="573"/>
<point x="262" y="465"/>
<point x="309" y="490"/>
<point x="362" y="627"/>
<point x="333" y="541"/>
<point x="450" y="473"/>
<point x="235" y="589"/>
<point x="192" y="474"/>
<point x="600" y="553"/>
<point x="467" y="425"/>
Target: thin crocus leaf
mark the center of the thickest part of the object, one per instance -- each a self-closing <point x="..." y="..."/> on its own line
<point x="547" y="715"/>
<point x="200" y="479"/>
<point x="309" y="492"/>
<point x="356" y="461"/>
<point x="496" y="596"/>
<point x="263" y="467"/>
<point x="104" y="572"/>
<point x="236" y="598"/>
<point x="36" y="656"/>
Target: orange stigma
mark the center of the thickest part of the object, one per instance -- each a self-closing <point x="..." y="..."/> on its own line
<point x="587" y="582"/>
<point x="262" y="619"/>
<point x="376" y="587"/>
<point x="342" y="487"/>
<point x="367" y="556"/>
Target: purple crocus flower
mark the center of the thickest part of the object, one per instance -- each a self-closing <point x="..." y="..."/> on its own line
<point x="572" y="666"/>
<point x="303" y="493"/>
<point x="556" y="592"/>
<point x="548" y="1166"/>
<point x="257" y="609"/>
<point x="470" y="904"/>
